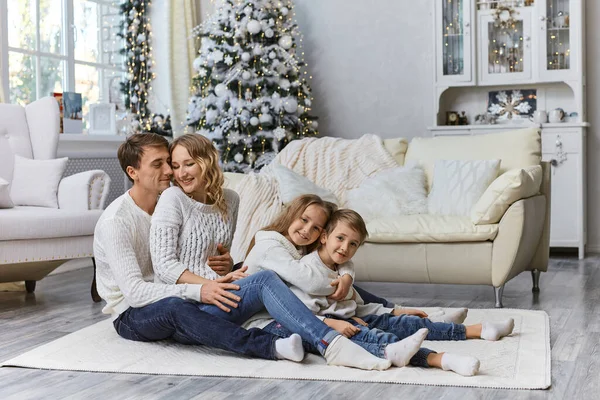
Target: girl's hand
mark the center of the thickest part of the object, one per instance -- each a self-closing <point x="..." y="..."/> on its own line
<point x="409" y="311"/>
<point x="343" y="283"/>
<point x="217" y="293"/>
<point x="223" y="263"/>
<point x="234" y="276"/>
<point x="343" y="327"/>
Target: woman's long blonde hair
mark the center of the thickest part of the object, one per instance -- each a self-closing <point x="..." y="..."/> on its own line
<point x="206" y="156"/>
<point x="294" y="211"/>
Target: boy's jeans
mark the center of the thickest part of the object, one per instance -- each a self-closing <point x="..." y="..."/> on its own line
<point x="265" y="289"/>
<point x="406" y="325"/>
<point x="182" y="321"/>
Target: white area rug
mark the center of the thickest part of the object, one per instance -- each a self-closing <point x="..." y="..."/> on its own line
<point x="520" y="361"/>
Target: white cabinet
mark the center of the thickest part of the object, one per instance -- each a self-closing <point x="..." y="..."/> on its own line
<point x="564" y="146"/>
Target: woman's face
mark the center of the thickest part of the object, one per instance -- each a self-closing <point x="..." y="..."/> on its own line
<point x="306" y="229"/>
<point x="186" y="171"/>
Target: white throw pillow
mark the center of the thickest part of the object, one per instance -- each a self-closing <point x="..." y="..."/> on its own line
<point x="5" y="201"/>
<point x="35" y="182"/>
<point x="458" y="184"/>
<point x="389" y="193"/>
<point x="292" y="185"/>
<point x="513" y="185"/>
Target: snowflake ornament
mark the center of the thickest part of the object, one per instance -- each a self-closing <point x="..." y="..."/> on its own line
<point x="509" y="105"/>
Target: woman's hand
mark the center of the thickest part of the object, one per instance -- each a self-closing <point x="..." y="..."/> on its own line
<point x="234" y="276"/>
<point x="409" y="311"/>
<point x="343" y="327"/>
<point x="223" y="263"/>
<point x="343" y="284"/>
<point x="217" y="293"/>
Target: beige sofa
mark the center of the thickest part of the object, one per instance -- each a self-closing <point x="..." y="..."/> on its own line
<point x="451" y="249"/>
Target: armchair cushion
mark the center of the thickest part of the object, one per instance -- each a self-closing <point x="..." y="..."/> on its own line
<point x="513" y="185"/>
<point x="84" y="191"/>
<point x="22" y="223"/>
<point x="5" y="201"/>
<point x="35" y="182"/>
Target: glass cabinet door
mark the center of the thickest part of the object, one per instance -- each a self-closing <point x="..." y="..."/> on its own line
<point x="505" y="46"/>
<point x="556" y="39"/>
<point x="454" y="43"/>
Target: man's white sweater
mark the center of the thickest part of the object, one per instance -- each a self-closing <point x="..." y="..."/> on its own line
<point x="124" y="275"/>
<point x="185" y="233"/>
<point x="308" y="277"/>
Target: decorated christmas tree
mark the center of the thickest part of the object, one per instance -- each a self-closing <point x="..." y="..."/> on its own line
<point x="250" y="94"/>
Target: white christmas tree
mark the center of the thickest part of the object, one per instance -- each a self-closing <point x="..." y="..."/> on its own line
<point x="250" y="94"/>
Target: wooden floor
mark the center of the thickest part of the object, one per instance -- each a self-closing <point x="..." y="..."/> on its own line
<point x="570" y="294"/>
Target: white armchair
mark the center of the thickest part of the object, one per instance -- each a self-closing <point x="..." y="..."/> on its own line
<point x="36" y="240"/>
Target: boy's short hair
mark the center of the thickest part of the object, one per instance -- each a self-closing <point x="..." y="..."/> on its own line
<point x="350" y="217"/>
<point x="131" y="151"/>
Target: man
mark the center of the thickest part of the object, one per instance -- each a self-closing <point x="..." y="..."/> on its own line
<point x="141" y="309"/>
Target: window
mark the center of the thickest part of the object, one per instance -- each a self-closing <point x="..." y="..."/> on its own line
<point x="61" y="45"/>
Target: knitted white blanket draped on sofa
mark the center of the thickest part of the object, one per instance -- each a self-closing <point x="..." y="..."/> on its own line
<point x="331" y="163"/>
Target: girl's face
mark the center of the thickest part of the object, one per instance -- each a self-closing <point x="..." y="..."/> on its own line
<point x="186" y="171"/>
<point x="306" y="229"/>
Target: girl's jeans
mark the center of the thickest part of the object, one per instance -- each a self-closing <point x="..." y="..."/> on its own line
<point x="386" y="329"/>
<point x="182" y="321"/>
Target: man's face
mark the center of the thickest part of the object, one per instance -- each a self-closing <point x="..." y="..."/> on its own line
<point x="154" y="173"/>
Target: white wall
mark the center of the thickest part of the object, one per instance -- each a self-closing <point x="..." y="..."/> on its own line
<point x="372" y="65"/>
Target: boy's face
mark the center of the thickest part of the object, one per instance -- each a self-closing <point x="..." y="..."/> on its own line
<point x="339" y="246"/>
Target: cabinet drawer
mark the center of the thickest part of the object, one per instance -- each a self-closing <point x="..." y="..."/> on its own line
<point x="571" y="141"/>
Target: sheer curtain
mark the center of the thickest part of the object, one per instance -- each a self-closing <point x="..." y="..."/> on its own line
<point x="183" y="15"/>
<point x="2" y="95"/>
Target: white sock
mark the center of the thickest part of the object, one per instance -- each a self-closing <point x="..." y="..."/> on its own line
<point x="450" y="316"/>
<point x="495" y="330"/>
<point x="401" y="352"/>
<point x="463" y="365"/>
<point x="289" y="348"/>
<point x="341" y="351"/>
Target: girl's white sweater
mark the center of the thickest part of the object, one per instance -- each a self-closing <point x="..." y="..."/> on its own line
<point x="185" y="233"/>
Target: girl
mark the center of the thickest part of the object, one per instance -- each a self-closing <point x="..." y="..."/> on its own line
<point x="300" y="225"/>
<point x="191" y="219"/>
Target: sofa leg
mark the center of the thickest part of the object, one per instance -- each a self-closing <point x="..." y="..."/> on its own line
<point x="535" y="276"/>
<point x="30" y="286"/>
<point x="95" y="296"/>
<point x="498" y="293"/>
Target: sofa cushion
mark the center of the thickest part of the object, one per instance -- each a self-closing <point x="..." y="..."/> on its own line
<point x="427" y="228"/>
<point x="458" y="184"/>
<point x="5" y="201"/>
<point x="513" y="185"/>
<point x="515" y="149"/>
<point x="397" y="148"/>
<point x="35" y="182"/>
<point x="40" y="223"/>
<point x="292" y="185"/>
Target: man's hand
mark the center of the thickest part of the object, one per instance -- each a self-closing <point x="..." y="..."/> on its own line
<point x="223" y="263"/>
<point x="409" y="311"/>
<point x="343" y="327"/>
<point x="217" y="293"/>
<point x="343" y="284"/>
<point x="234" y="276"/>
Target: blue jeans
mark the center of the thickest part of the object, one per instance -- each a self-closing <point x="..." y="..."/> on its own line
<point x="371" y="298"/>
<point x="406" y="325"/>
<point x="182" y="321"/>
<point x="265" y="289"/>
<point x="373" y="340"/>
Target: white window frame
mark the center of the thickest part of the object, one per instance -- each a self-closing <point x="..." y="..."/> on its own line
<point x="68" y="56"/>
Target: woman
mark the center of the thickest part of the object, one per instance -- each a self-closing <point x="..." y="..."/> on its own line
<point x="191" y="220"/>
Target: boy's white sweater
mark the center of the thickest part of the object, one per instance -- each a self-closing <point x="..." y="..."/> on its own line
<point x="124" y="274"/>
<point x="185" y="233"/>
<point x="308" y="277"/>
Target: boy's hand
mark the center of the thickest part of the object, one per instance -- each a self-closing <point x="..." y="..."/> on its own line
<point x="217" y="293"/>
<point x="343" y="284"/>
<point x="360" y="321"/>
<point x="234" y="276"/>
<point x="223" y="263"/>
<point x="343" y="327"/>
<point x="409" y="311"/>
